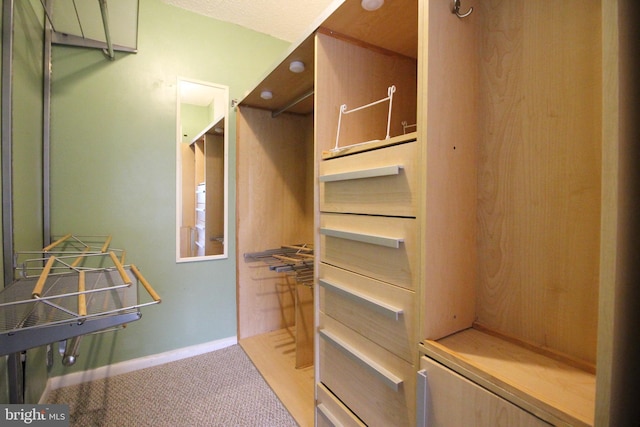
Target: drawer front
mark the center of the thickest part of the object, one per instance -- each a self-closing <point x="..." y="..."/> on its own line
<point x="370" y="381"/>
<point x="383" y="248"/>
<point x="379" y="182"/>
<point x="330" y="412"/>
<point x="449" y="399"/>
<point x="381" y="312"/>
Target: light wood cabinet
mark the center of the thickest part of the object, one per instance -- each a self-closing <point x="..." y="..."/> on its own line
<point x="484" y="241"/>
<point x="330" y="412"/>
<point x="511" y="109"/>
<point x="275" y="207"/>
<point x="367" y="214"/>
<point x="452" y="400"/>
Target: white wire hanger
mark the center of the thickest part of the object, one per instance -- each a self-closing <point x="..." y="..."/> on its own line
<point x="343" y="110"/>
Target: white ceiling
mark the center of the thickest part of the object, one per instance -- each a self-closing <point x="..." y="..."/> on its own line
<point x="284" y="19"/>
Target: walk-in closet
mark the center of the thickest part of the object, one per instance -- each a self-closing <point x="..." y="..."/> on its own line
<point x="456" y="211"/>
<point x="275" y="226"/>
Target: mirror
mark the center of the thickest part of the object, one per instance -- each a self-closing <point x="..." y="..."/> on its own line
<point x="202" y="171"/>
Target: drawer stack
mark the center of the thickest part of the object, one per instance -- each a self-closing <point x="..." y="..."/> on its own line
<point x="367" y="280"/>
<point x="201" y="191"/>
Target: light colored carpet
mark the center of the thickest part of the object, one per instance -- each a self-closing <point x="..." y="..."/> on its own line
<point x="221" y="388"/>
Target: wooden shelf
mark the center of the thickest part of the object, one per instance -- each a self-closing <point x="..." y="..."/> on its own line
<point x="556" y="391"/>
<point x="216" y="127"/>
<point x="370" y="145"/>
<point x="285" y="85"/>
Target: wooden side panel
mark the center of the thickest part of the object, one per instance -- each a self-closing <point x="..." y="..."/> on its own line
<point x="188" y="185"/>
<point x="539" y="172"/>
<point x="304" y="326"/>
<point x="274" y="208"/>
<point x="354" y="75"/>
<point x="449" y="118"/>
<point x="214" y="154"/>
<point x="618" y="340"/>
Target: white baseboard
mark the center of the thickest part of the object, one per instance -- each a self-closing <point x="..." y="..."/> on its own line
<point x="134" y="364"/>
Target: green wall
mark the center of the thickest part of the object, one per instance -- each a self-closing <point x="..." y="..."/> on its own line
<point x="113" y="131"/>
<point x="114" y="168"/>
<point x="194" y="119"/>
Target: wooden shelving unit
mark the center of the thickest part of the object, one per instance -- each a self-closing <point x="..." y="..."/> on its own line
<point x="507" y="230"/>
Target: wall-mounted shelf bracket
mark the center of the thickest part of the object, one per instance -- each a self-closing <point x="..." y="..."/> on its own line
<point x="91" y="25"/>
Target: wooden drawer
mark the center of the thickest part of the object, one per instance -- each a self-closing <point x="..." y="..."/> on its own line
<point x="378" y="182"/>
<point x="330" y="412"/>
<point x="384" y="248"/>
<point x="377" y="310"/>
<point x="448" y="399"/>
<point x="373" y="383"/>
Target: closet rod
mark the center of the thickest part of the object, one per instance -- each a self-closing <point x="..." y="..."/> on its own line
<point x="291" y="104"/>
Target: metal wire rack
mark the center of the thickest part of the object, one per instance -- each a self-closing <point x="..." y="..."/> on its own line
<point x="69" y="290"/>
<point x="291" y="259"/>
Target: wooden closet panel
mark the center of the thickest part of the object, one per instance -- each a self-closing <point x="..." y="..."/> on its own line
<point x="188" y="184"/>
<point x="395" y="28"/>
<point x="304" y="322"/>
<point x="354" y="75"/>
<point x="449" y="117"/>
<point x="275" y="207"/>
<point x="539" y="172"/>
<point x="214" y="153"/>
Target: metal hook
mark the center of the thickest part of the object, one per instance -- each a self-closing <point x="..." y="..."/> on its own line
<point x="455" y="8"/>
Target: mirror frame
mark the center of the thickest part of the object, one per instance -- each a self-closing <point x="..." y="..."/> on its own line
<point x="179" y="196"/>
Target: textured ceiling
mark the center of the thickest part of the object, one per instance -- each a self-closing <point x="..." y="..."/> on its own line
<point x="285" y="19"/>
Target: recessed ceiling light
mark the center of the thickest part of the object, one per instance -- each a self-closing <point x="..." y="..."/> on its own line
<point x="296" y="66"/>
<point x="371" y="5"/>
<point x="266" y="94"/>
